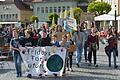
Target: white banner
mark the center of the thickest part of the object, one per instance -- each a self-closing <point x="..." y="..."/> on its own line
<point x="44" y="60"/>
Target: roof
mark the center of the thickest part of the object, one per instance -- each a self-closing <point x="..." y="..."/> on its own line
<point x="19" y="4"/>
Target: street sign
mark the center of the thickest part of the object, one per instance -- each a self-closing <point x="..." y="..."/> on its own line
<point x="87" y="16"/>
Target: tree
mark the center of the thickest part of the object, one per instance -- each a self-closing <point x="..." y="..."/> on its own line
<point x="99" y="8"/>
<point x="53" y="15"/>
<point x="77" y="13"/>
<point x="33" y="18"/>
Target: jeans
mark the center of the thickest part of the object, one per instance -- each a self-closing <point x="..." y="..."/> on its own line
<point x="69" y="61"/>
<point x="79" y="49"/>
<point x="92" y="51"/>
<point x="18" y="60"/>
<point x="114" y="56"/>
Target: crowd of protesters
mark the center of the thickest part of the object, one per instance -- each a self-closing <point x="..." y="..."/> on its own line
<point x="86" y="40"/>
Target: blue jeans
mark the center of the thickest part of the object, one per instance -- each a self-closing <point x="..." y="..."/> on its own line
<point x="114" y="56"/>
<point x="79" y="49"/>
<point x="18" y="60"/>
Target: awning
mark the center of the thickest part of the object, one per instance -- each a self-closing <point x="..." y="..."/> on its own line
<point x="8" y="22"/>
<point x="118" y="18"/>
<point x="104" y="17"/>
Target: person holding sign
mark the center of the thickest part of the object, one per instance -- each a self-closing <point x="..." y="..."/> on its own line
<point x="14" y="45"/>
<point x="27" y="42"/>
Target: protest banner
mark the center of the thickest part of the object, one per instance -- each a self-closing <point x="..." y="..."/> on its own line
<point x="44" y="60"/>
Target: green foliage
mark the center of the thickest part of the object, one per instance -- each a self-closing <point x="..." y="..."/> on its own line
<point x="33" y="18"/>
<point x="76" y="13"/>
<point x="51" y="15"/>
<point x="99" y="8"/>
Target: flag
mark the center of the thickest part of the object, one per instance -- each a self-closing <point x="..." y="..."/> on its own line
<point x="71" y="13"/>
<point x="61" y="14"/>
<point x="53" y="20"/>
<point x="65" y="14"/>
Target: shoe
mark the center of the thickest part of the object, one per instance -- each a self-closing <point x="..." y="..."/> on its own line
<point x="29" y="76"/>
<point x="68" y="69"/>
<point x="40" y="75"/>
<point x="95" y="65"/>
<point x="71" y="69"/>
<point x="89" y="64"/>
<point x="116" y="66"/>
<point x="20" y="75"/>
<point x="55" y="75"/>
<point x="17" y="76"/>
<point x="77" y="65"/>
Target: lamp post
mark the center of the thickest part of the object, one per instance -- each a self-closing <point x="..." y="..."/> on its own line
<point x="115" y="18"/>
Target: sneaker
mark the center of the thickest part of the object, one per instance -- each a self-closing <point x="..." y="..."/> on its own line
<point x="29" y="76"/>
<point x="17" y="76"/>
<point x="77" y="65"/>
<point x="71" y="69"/>
<point x="40" y="75"/>
<point x="116" y="66"/>
<point x="95" y="65"/>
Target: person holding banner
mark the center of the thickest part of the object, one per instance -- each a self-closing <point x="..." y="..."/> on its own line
<point x="14" y="46"/>
<point x="66" y="45"/>
<point x="27" y="42"/>
<point x="78" y="38"/>
<point x="44" y="40"/>
<point x="54" y="41"/>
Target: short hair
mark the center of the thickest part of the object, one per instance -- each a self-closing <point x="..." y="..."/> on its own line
<point x="27" y="31"/>
<point x="54" y="35"/>
<point x="64" y="36"/>
<point x="15" y="29"/>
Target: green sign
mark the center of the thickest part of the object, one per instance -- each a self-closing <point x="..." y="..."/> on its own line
<point x="55" y="63"/>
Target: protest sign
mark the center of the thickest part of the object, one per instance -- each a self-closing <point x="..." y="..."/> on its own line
<point x="44" y="60"/>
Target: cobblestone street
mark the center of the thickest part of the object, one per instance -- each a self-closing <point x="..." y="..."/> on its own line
<point x="85" y="72"/>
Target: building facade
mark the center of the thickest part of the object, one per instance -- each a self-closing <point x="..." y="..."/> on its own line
<point x="43" y="8"/>
<point x="14" y="12"/>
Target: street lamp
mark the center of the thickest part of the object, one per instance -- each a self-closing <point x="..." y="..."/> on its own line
<point x="115" y="17"/>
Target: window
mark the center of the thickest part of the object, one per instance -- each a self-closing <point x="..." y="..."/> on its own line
<point x="51" y="10"/>
<point x="38" y="10"/>
<point x="1" y="16"/>
<point x="6" y="16"/>
<point x="13" y="16"/>
<point x="16" y="16"/>
<point x="10" y="16"/>
<point x="68" y="7"/>
<point x="63" y="8"/>
<point x="42" y="9"/>
<point x="59" y="9"/>
<point x="55" y="9"/>
<point x="46" y="9"/>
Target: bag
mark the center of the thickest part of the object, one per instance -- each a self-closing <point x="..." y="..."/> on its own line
<point x="107" y="50"/>
<point x="72" y="48"/>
